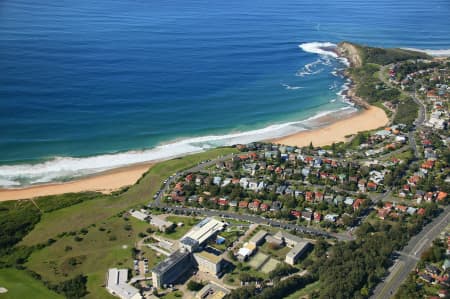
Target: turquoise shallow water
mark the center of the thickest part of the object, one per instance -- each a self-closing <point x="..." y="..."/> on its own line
<point x="84" y="83"/>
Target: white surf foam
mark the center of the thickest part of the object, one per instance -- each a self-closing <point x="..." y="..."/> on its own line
<point x="289" y="87"/>
<point x="431" y="52"/>
<point x="64" y="168"/>
<point x="321" y="48"/>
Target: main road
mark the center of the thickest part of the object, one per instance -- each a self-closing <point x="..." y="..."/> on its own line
<point x="422" y="109"/>
<point x="410" y="255"/>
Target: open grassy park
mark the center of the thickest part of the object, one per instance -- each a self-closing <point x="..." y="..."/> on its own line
<point x="89" y="236"/>
<point x="21" y="285"/>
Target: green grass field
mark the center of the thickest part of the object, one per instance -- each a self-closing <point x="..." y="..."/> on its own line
<point x="22" y="285"/>
<point x="105" y="246"/>
<point x="279" y="253"/>
<point x="258" y="260"/>
<point x="107" y="243"/>
<point x="188" y="223"/>
<point x="82" y="215"/>
<point x="269" y="265"/>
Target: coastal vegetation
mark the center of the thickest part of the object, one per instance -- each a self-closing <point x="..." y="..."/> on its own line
<point x="72" y="239"/>
<point x="383" y="56"/>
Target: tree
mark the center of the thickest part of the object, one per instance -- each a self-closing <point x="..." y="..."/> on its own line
<point x="73" y="288"/>
<point x="194" y="285"/>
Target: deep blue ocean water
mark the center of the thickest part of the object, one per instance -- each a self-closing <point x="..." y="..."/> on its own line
<point x="83" y="83"/>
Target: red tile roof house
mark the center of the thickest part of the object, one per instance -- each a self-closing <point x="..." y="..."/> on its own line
<point x="317" y="217"/>
<point x="401" y="208"/>
<point x="323" y="175"/>
<point x="296" y="214"/>
<point x="414" y="180"/>
<point x="427" y="164"/>
<point x="243" y="204"/>
<point x="383" y="213"/>
<point x="318" y="195"/>
<point x="243" y="157"/>
<point x="441" y="196"/>
<point x="388" y="206"/>
<point x="254" y="205"/>
<point x="179" y="186"/>
<point x="253" y="155"/>
<point x="223" y="202"/>
<point x="264" y="207"/>
<point x="309" y="160"/>
<point x="371" y="186"/>
<point x="189" y="178"/>
<point x="357" y="203"/>
<point x="309" y="196"/>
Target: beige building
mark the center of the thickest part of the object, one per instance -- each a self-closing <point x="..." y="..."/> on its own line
<point x="295" y="253"/>
<point x="208" y="262"/>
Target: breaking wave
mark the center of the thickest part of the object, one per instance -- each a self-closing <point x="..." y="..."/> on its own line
<point x="66" y="168"/>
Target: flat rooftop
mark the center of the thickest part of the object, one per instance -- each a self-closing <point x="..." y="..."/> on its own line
<point x="170" y="261"/>
<point x="205" y="230"/>
<point x="209" y="256"/>
<point x="298" y="248"/>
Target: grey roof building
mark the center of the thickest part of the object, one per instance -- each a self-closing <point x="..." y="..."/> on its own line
<point x="172" y="268"/>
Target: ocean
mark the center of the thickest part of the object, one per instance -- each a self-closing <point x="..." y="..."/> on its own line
<point x="87" y="86"/>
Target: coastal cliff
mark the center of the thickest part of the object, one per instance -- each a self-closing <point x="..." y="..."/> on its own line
<point x="350" y="52"/>
<point x="353" y="55"/>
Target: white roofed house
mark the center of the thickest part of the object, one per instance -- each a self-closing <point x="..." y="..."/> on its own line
<point x="261" y="186"/>
<point x="226" y="182"/>
<point x="243" y="182"/>
<point x="140" y="215"/>
<point x="217" y="180"/>
<point x="253" y="185"/>
<point x="116" y="284"/>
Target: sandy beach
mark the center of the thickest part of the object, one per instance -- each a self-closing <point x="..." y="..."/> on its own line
<point x="104" y="182"/>
<point x="366" y="119"/>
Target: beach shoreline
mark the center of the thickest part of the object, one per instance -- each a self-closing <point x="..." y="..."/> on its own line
<point x="104" y="182"/>
<point x="368" y="118"/>
<point x="326" y="130"/>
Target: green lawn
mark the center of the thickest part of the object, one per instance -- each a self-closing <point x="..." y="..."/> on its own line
<point x="105" y="246"/>
<point x="180" y="231"/>
<point x="107" y="243"/>
<point x="22" y="285"/>
<point x="279" y="254"/>
<point x="270" y="265"/>
<point x="94" y="211"/>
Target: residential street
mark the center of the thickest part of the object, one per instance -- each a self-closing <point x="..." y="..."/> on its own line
<point x="410" y="255"/>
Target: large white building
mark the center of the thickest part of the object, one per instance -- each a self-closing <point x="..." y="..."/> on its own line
<point x="201" y="233"/>
<point x="116" y="284"/>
